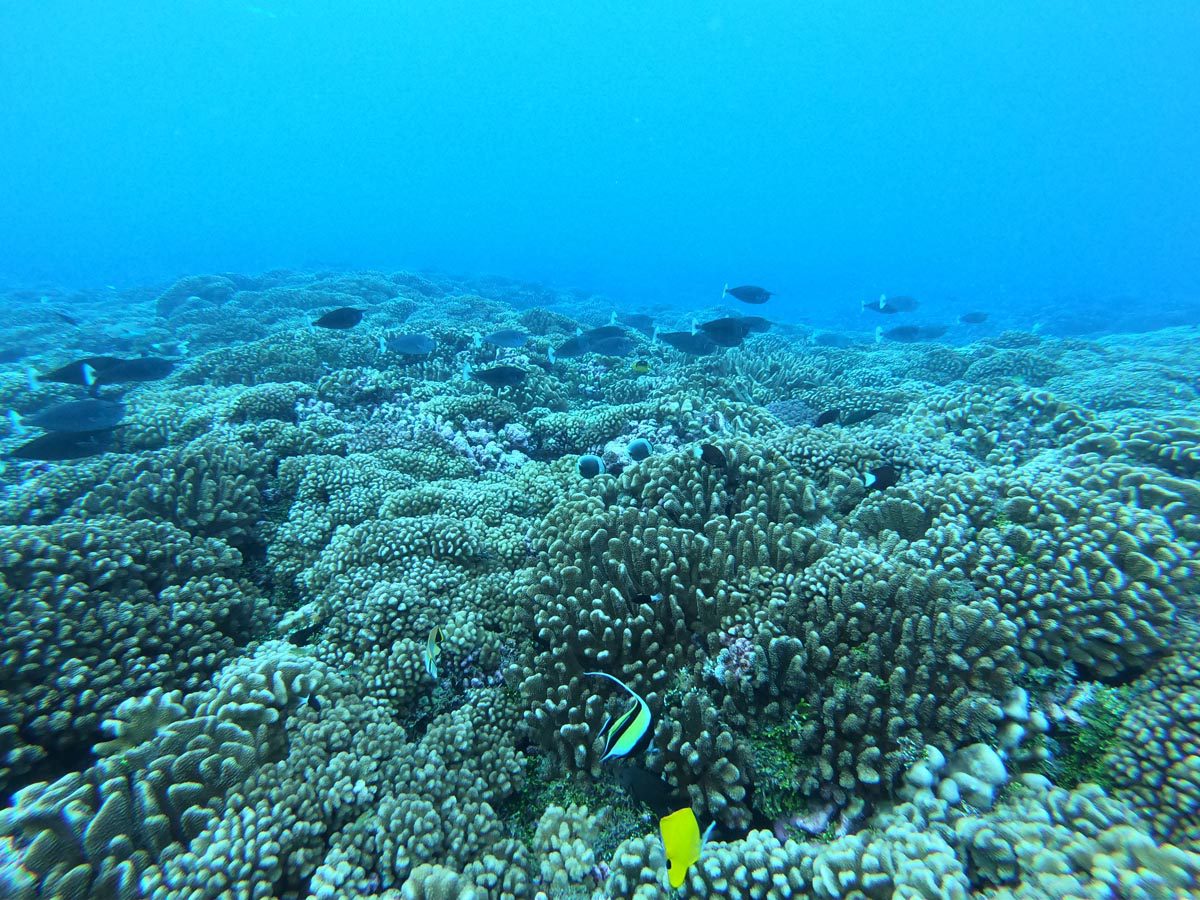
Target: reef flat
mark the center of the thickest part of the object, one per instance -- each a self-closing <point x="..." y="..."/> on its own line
<point x="318" y="617"/>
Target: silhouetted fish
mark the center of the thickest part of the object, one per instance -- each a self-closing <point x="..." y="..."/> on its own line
<point x="143" y="368"/>
<point x="727" y="332"/>
<point x="881" y="477"/>
<point x="510" y="338"/>
<point x="972" y="318"/>
<point x="70" y="320"/>
<point x="576" y="346"/>
<point x="644" y="324"/>
<point x="891" y="305"/>
<point x="828" y="417"/>
<point x="698" y="344"/>
<point x="60" y="445"/>
<point x="78" y="415"/>
<point x="342" y="317"/>
<point x="748" y="293"/>
<point x="612" y="346"/>
<point x="833" y="339"/>
<point x="644" y="787"/>
<point x="757" y="324"/>
<point x="83" y="372"/>
<point x="907" y="334"/>
<point x="12" y="354"/>
<point x="411" y="344"/>
<point x="500" y="376"/>
<point x="604" y="332"/>
<point x="713" y="456"/>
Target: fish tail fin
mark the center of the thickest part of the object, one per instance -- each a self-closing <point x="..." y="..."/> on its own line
<point x="725" y="290"/>
<point x="612" y="319"/>
<point x="654" y="337"/>
<point x="89" y="375"/>
<point x="550" y="355"/>
<point x="879" y="334"/>
<point x="14" y="419"/>
<point x="695" y="326"/>
<point x="31" y="378"/>
<point x="882" y="300"/>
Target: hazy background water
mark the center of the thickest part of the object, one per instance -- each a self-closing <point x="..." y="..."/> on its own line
<point x="1026" y="157"/>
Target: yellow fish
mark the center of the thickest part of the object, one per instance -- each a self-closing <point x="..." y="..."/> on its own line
<point x="682" y="843"/>
<point x="433" y="651"/>
<point x="641" y="366"/>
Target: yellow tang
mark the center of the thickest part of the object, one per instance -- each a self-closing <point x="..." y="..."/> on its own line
<point x="681" y="841"/>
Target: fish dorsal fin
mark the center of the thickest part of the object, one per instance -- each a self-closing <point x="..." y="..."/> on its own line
<point x="878" y="334"/>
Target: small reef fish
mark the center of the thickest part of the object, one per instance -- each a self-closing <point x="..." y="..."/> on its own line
<point x="712" y="455"/>
<point x="60" y="445"/>
<point x="748" y="293"/>
<point x="629" y="728"/>
<point x="509" y="338"/>
<point x="433" y="649"/>
<point x="639" y="449"/>
<point x="649" y="789"/>
<point x="891" y="305"/>
<point x="973" y="318"/>
<point x="342" y="317"/>
<point x="881" y="477"/>
<point x="500" y="377"/>
<point x="78" y="415"/>
<point x="682" y="843"/>
<point x="408" y="344"/>
<point x="641" y="366"/>
<point x="590" y="465"/>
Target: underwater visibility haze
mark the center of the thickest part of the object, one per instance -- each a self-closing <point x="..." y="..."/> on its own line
<point x="517" y="451"/>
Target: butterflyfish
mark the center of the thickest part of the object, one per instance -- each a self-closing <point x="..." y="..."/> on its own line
<point x="682" y="843"/>
<point x="433" y="650"/>
<point x="629" y="728"/>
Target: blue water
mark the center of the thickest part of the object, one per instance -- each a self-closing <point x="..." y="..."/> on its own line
<point x="1021" y="157"/>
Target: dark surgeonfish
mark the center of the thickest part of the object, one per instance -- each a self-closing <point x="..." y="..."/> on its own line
<point x="570" y="348"/>
<point x="509" y="338"/>
<point x="78" y="416"/>
<point x="612" y="346"/>
<point x="973" y="318"/>
<point x="604" y="332"/>
<point x="647" y="788"/>
<point x="342" y="317"/>
<point x="748" y="293"/>
<point x="639" y="322"/>
<point x="84" y="372"/>
<point x="909" y="334"/>
<point x="757" y="324"/>
<point x="59" y="445"/>
<point x="143" y="368"/>
<point x="891" y="305"/>
<point x="698" y="344"/>
<point x="728" y="332"/>
<point x="833" y="339"/>
<point x="827" y="418"/>
<point x="500" y="376"/>
<point x="881" y="477"/>
<point x="410" y="344"/>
